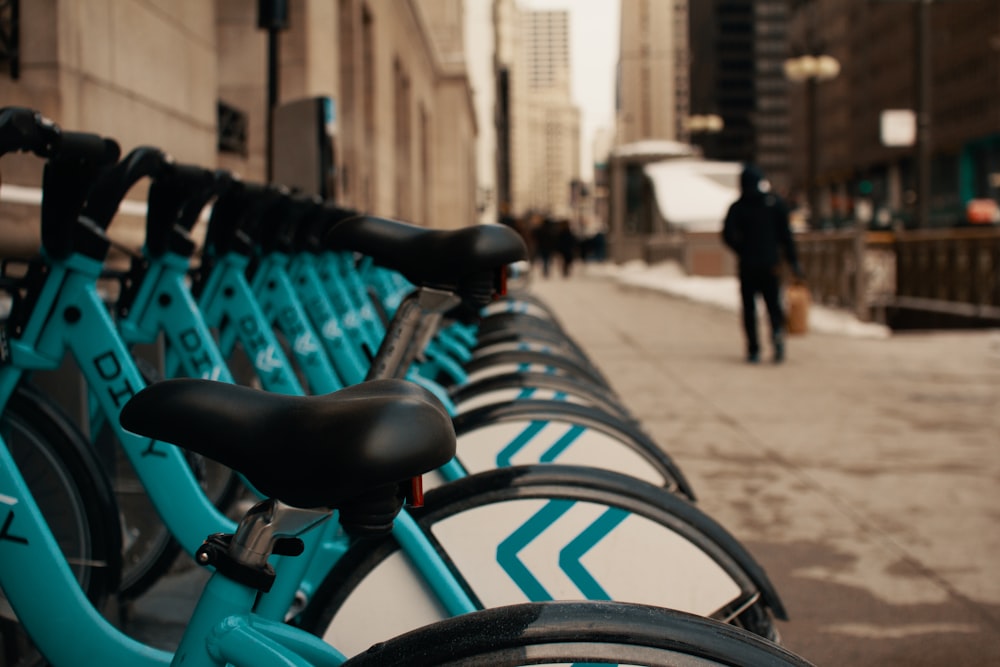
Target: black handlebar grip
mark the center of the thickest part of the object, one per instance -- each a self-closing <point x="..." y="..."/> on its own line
<point x="218" y="181"/>
<point x="176" y="197"/>
<point x="111" y="188"/>
<point x="86" y="147"/>
<point x="23" y="129"/>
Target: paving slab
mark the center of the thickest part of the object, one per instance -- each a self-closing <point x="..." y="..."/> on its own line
<point x="863" y="474"/>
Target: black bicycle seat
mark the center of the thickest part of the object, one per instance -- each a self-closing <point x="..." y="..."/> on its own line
<point x="346" y="450"/>
<point x="451" y="260"/>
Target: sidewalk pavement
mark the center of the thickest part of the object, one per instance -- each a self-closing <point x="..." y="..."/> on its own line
<point x="863" y="473"/>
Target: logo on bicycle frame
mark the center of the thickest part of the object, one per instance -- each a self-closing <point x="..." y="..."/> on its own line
<point x="197" y="355"/>
<point x="120" y="390"/>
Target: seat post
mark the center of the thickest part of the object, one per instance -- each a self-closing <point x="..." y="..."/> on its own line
<point x="409" y="331"/>
<point x="267" y="522"/>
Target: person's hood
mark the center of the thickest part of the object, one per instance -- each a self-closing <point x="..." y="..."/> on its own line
<point x="750" y="181"/>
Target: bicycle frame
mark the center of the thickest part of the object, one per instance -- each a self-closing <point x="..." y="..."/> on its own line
<point x="229" y="298"/>
<point x="70" y="316"/>
<point x="272" y="287"/>
<point x="318" y="304"/>
<point x="36" y="579"/>
<point x="223" y="630"/>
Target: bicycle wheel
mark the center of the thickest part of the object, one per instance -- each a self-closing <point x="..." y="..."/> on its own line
<point x="535" y="533"/>
<point x="549" y="431"/>
<point x="505" y="361"/>
<point x="566" y="633"/>
<point x="73" y="494"/>
<point x="521" y="386"/>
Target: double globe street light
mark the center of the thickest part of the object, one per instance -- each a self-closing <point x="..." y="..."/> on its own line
<point x="812" y="70"/>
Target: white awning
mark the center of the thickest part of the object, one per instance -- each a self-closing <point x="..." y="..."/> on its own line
<point x="694" y="194"/>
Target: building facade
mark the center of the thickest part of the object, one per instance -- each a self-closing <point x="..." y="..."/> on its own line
<point x="538" y="127"/>
<point x="738" y="48"/>
<point x="653" y="91"/>
<point x="880" y="47"/>
<point x="191" y="77"/>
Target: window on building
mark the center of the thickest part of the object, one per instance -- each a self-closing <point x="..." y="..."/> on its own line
<point x="231" y="128"/>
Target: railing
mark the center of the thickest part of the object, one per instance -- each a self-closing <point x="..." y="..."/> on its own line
<point x="951" y="271"/>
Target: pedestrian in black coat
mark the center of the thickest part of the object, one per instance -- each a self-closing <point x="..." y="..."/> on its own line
<point x="758" y="231"/>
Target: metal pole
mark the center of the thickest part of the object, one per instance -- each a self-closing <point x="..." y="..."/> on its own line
<point x="272" y="95"/>
<point x="924" y="85"/>
<point x="812" y="153"/>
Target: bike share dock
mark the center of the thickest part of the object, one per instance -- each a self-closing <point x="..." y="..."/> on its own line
<point x="862" y="473"/>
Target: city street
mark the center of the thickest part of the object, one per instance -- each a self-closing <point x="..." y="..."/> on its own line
<point x="862" y="473"/>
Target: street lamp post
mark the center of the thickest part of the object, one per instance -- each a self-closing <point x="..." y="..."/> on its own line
<point x="272" y="16"/>
<point x="811" y="70"/>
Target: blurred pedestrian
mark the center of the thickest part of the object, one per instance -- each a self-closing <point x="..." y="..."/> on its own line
<point x="757" y="230"/>
<point x="566" y="244"/>
<point x="546" y="233"/>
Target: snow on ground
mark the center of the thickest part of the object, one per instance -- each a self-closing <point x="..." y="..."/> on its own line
<point x="724" y="292"/>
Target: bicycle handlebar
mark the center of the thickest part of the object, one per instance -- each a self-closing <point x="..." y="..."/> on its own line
<point x="75" y="164"/>
<point x="115" y="182"/>
<point x="86" y="148"/>
<point x="235" y="216"/>
<point x="310" y="234"/>
<point x="23" y="129"/>
<point x="176" y="198"/>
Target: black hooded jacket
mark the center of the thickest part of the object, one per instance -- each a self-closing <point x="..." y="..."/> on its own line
<point x="756" y="226"/>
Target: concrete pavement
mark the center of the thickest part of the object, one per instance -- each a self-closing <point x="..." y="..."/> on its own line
<point x="863" y="474"/>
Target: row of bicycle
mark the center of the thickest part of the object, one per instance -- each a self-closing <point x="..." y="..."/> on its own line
<point x="377" y="354"/>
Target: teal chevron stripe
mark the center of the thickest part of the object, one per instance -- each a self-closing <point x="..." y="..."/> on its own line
<point x="527" y="392"/>
<point x="518" y="443"/>
<point x="508" y="550"/>
<point x="569" y="557"/>
<point x="562" y="443"/>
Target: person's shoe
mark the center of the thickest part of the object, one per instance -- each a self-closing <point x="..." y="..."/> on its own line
<point x="753" y="357"/>
<point x="779" y="351"/>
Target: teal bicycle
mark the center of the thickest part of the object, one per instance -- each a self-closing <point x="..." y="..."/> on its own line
<point x="64" y="285"/>
<point x="482" y="493"/>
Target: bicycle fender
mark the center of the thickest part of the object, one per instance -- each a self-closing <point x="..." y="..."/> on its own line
<point x="585" y="416"/>
<point x="586" y="481"/>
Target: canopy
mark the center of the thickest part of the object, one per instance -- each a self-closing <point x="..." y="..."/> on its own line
<point x="694" y="194"/>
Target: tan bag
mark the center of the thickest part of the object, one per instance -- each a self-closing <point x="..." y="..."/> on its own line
<point x="797" y="299"/>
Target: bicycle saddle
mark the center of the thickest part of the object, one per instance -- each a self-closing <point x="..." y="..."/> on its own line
<point x="464" y="261"/>
<point x="347" y="450"/>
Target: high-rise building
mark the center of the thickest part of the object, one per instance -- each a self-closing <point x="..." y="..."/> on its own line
<point x="737" y="51"/>
<point x="538" y="127"/>
<point x="880" y="47"/>
<point x="653" y="89"/>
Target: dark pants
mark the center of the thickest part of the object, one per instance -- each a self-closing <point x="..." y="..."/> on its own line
<point x="763" y="281"/>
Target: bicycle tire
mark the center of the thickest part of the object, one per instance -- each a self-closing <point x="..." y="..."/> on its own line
<point x="477" y="393"/>
<point x="484" y="509"/>
<point x="504" y="360"/>
<point x="577" y="633"/>
<point x="74" y="495"/>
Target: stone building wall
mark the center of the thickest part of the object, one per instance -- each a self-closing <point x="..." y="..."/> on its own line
<point x="152" y="72"/>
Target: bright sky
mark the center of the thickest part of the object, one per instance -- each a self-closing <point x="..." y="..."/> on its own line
<point x="593" y="59"/>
